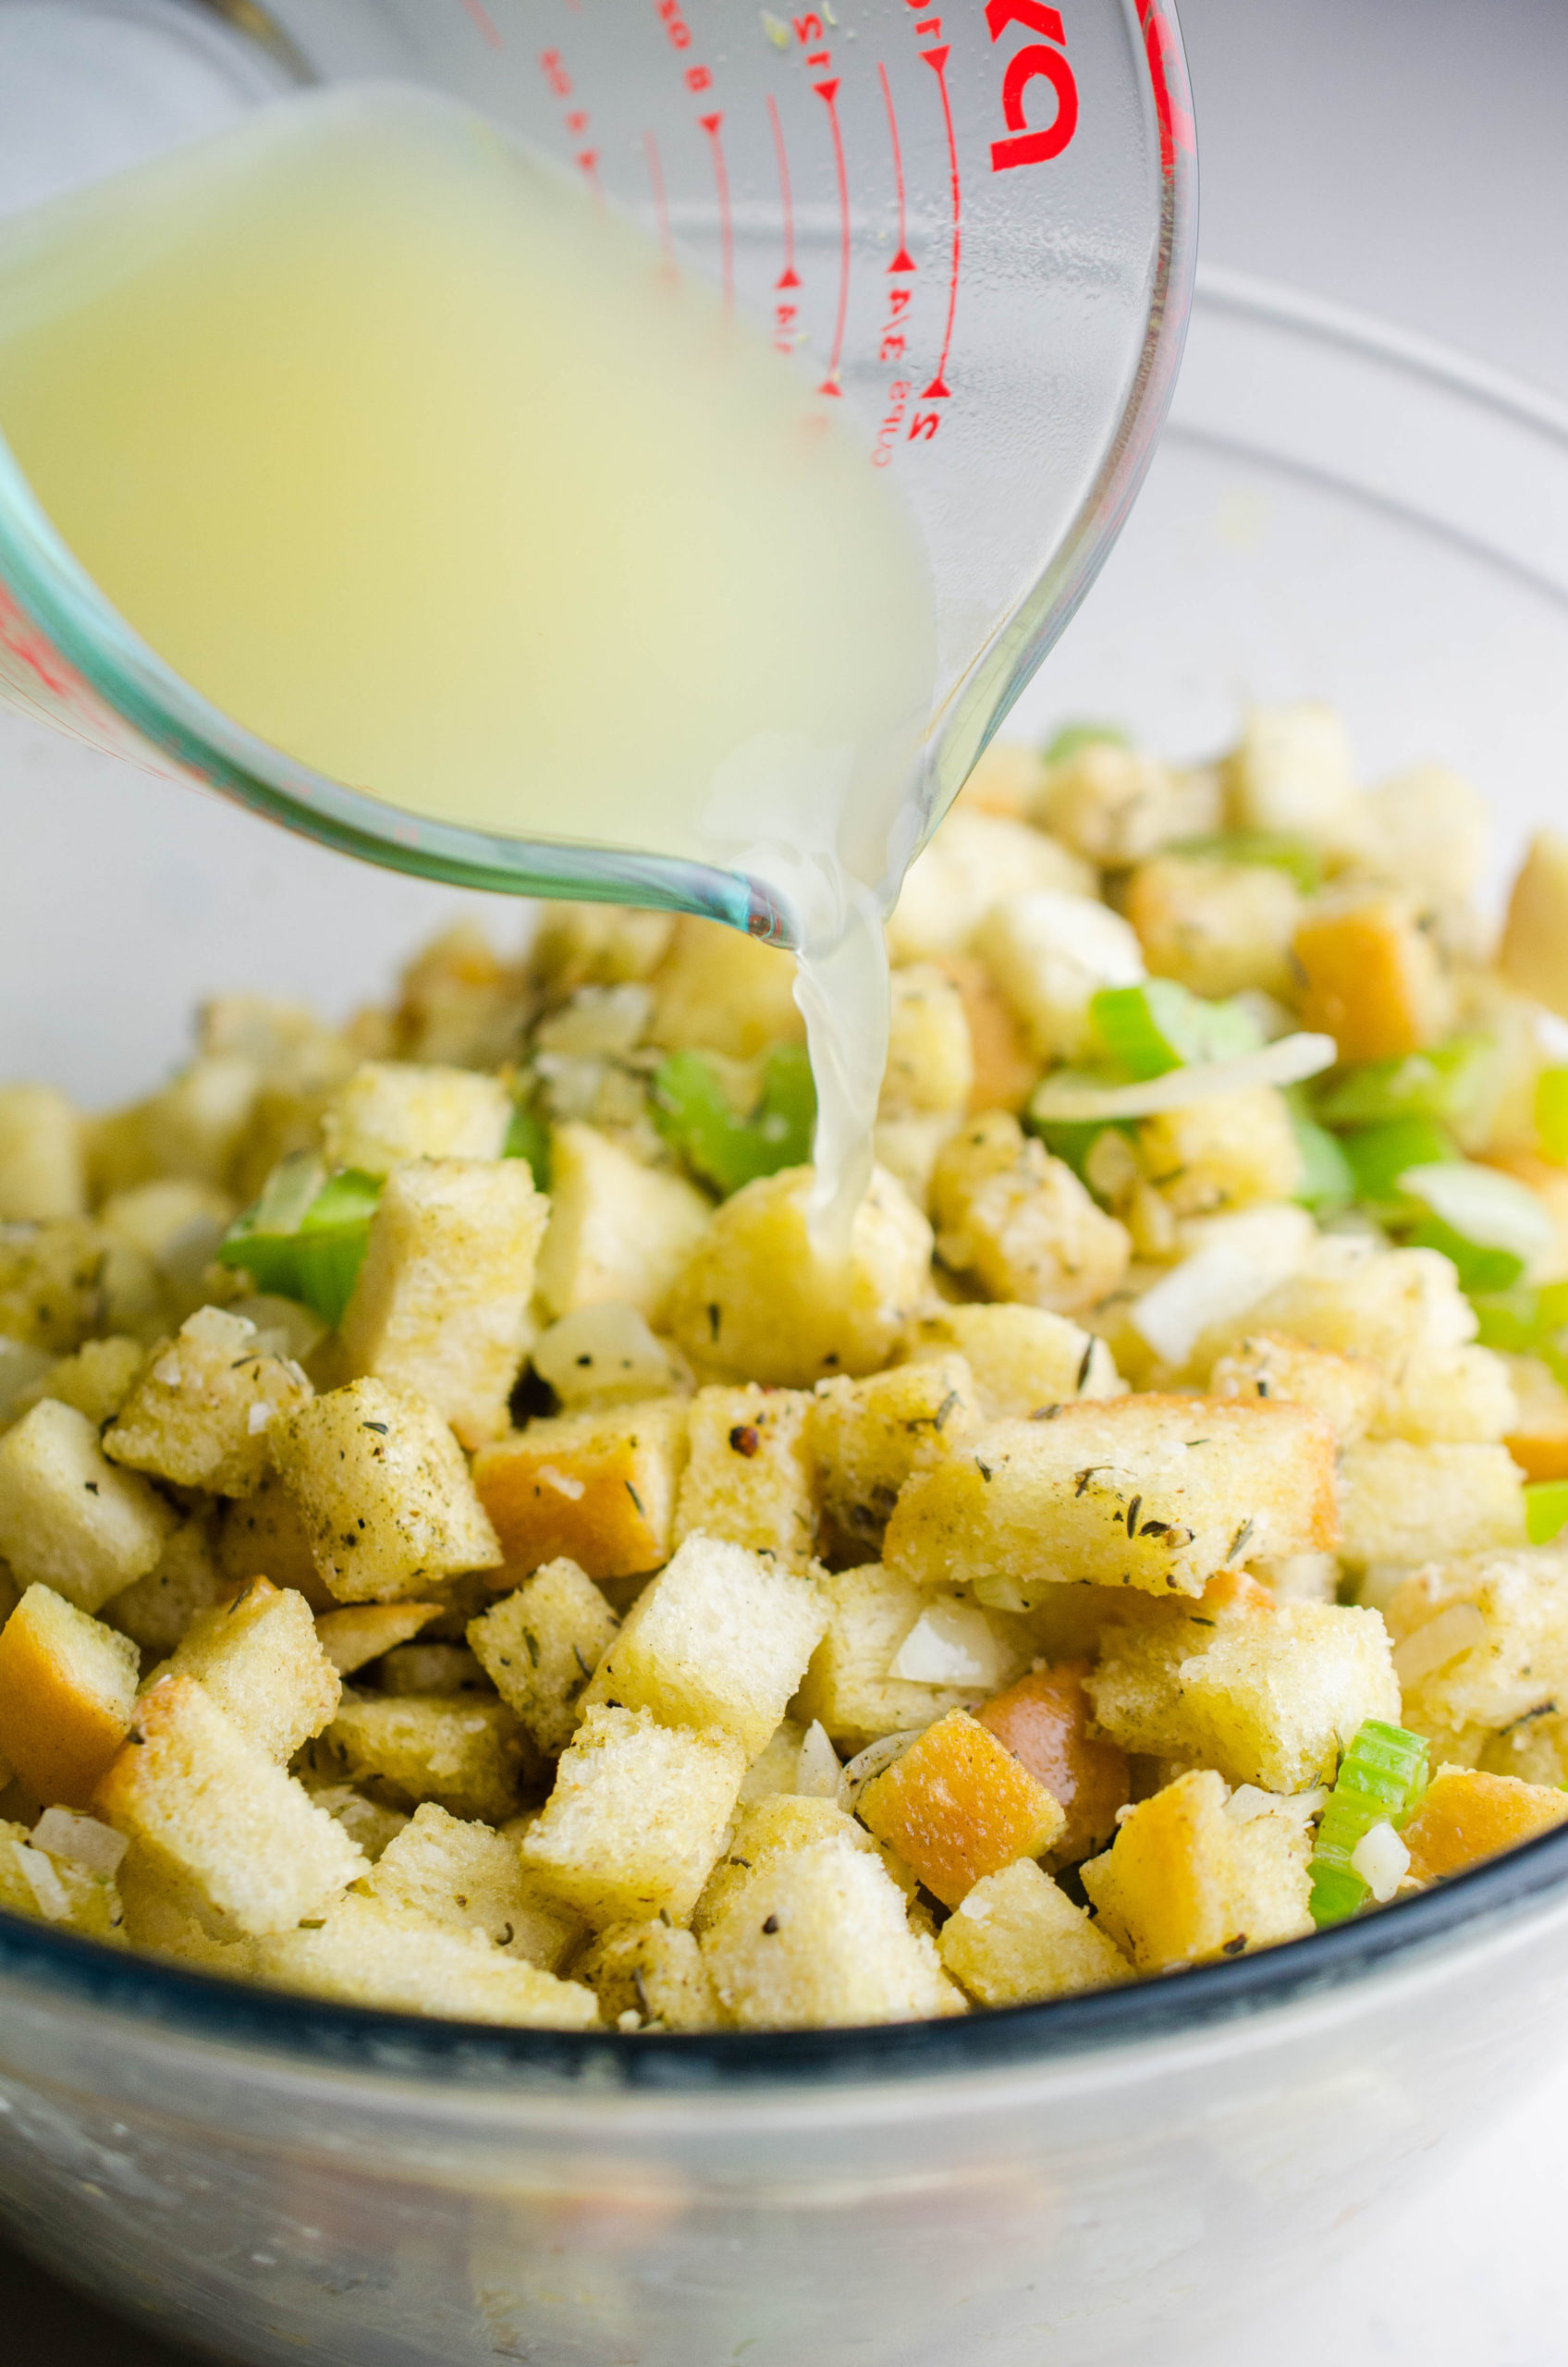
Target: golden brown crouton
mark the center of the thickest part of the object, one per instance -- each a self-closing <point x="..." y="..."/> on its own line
<point x="260" y="1658"/>
<point x="958" y="1805"/>
<point x="637" y="1817"/>
<point x="539" y="1645"/>
<point x="201" y="1413"/>
<point x="42" y="1156"/>
<point x="1021" y="1358"/>
<point x="361" y="1633"/>
<point x="1006" y="1071"/>
<point x="1047" y="1721"/>
<point x="1116" y="805"/>
<point x="364" y="1951"/>
<point x="1230" y="1151"/>
<point x="1481" y="1645"/>
<point x="618" y="1231"/>
<point x="1019" y="1222"/>
<point x="391" y="1111"/>
<point x="68" y="1519"/>
<point x="67" y="1687"/>
<point x="719" y="991"/>
<point x="1533" y="953"/>
<point x="597" y="1488"/>
<point x="750" y="1476"/>
<point x="1266" y="1365"/>
<point x="1216" y="928"/>
<point x="1537" y="1440"/>
<point x="849" y="1685"/>
<point x="155" y="1611"/>
<point x="1371" y="975"/>
<point x="869" y="1435"/>
<point x="1186" y="1883"/>
<point x="464" y="1751"/>
<point x="652" y="1970"/>
<point x="974" y="860"/>
<point x="468" y="1877"/>
<point x="1465" y="1816"/>
<point x="1404" y="1503"/>
<point x="818" y="1938"/>
<point x="930" y="1060"/>
<point x="1016" y="1939"/>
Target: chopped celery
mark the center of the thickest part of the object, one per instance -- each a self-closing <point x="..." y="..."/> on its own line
<point x="1445" y="1083"/>
<point x="1276" y="850"/>
<point x="1072" y="1140"/>
<point x="1545" y="1508"/>
<point x="528" y="1137"/>
<point x="694" y="1115"/>
<point x="1522" y="1320"/>
<point x="1073" y="737"/>
<point x="1326" y="1181"/>
<point x="1489" y="1223"/>
<point x="310" y="1252"/>
<point x="1379" y="1156"/>
<point x="1381" y="1778"/>
<point x="1160" y="1025"/>
<point x="1551" y="1112"/>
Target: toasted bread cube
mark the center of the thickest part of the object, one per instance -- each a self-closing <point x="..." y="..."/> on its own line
<point x="50" y="1889"/>
<point x="720" y="1641"/>
<point x="67" y="1687"/>
<point x="1185" y="1882"/>
<point x="750" y="1476"/>
<point x="156" y="1917"/>
<point x="97" y="1379"/>
<point x="818" y="1938"/>
<point x="847" y="1686"/>
<point x="458" y="1003"/>
<point x="1465" y="1816"/>
<point x="1047" y="1721"/>
<point x="192" y="1129"/>
<point x="759" y="1300"/>
<point x="353" y="1637"/>
<point x="468" y="1877"/>
<point x="55" y="1283"/>
<point x="42" y="1156"/>
<point x="606" y="1355"/>
<point x="1115" y="807"/>
<point x="1021" y="1358"/>
<point x="1019" y="1222"/>
<point x="1431" y="832"/>
<point x="260" y="1658"/>
<point x="1403" y="1503"/>
<point x="1346" y="1390"/>
<point x="67" y="1518"/>
<point x="909" y="1148"/>
<point x="958" y="1805"/>
<point x="1533" y="953"/>
<point x="1291" y="772"/>
<point x="1449" y="1395"/>
<point x="242" y="1845"/>
<point x="1216" y="928"/>
<point x="264" y="1534"/>
<point x="974" y="860"/>
<point x="465" y="1752"/>
<point x="201" y="1413"/>
<point x="1227" y="1152"/>
<point x="597" y="1488"/>
<point x="869" y="1435"/>
<point x="435" y="1666"/>
<point x="1153" y="1492"/>
<point x="1350" y="1295"/>
<point x="1016" y="1939"/>
<point x="719" y="991"/>
<point x="596" y="945"/>
<point x="653" y="1971"/>
<point x="1371" y="975"/>
<point x="442" y="1302"/>
<point x="539" y="1645"/>
<point x="786" y="1821"/>
<point x="1266" y="1696"/>
<point x="1006" y="1071"/>
<point x="1051" y="954"/>
<point x="637" y="1817"/>
<point x="367" y="1821"/>
<point x="392" y="1110"/>
<point x="1538" y="1437"/>
<point x="930" y="1061"/>
<point x="366" y="1953"/>
<point x="618" y="1230"/>
<point x="1481" y="1645"/>
<point x="383" y="1493"/>
<point x="184" y="1579"/>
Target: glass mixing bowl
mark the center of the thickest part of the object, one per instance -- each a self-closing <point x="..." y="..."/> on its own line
<point x="1336" y="512"/>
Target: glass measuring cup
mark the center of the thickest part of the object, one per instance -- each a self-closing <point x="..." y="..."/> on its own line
<point x="974" y="232"/>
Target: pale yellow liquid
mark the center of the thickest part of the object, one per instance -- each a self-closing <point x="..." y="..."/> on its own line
<point x="425" y="468"/>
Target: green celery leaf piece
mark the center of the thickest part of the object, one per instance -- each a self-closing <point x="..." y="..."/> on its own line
<point x="1073" y="737"/>
<point x="1072" y="1140"/>
<point x="1277" y="849"/>
<point x="1445" y="1083"/>
<point x="528" y="1136"/>
<point x="1545" y="1508"/>
<point x="1478" y="1268"/>
<point x="1326" y="1181"/>
<point x="1381" y="1779"/>
<point x="1160" y="1025"/>
<point x="317" y="1262"/>
<point x="347" y="1198"/>
<point x="694" y="1115"/>
<point x="1487" y="1210"/>
<point x="1379" y="1156"/>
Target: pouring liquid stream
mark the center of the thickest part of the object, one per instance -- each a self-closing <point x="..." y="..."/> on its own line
<point x="426" y="470"/>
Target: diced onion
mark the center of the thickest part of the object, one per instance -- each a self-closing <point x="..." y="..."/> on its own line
<point x="48" y="1890"/>
<point x="63" y="1833"/>
<point x="1219" y="1283"/>
<point x="1381" y="1860"/>
<point x="874" y="1760"/>
<point x="817" y="1770"/>
<point x="1074" y="1099"/>
<point x="951" y="1643"/>
<point x="1458" y="1629"/>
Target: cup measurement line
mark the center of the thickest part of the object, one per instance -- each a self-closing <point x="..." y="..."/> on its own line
<point x="481" y="18"/>
<point x="827" y="92"/>
<point x="661" y="199"/>
<point x="714" y="125"/>
<point x="902" y="260"/>
<point x="786" y="311"/>
<point x="937" y="58"/>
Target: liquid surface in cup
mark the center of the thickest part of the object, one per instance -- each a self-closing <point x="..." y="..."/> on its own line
<point x="434" y="475"/>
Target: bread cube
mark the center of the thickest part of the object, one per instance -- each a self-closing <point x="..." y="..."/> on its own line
<point x="192" y="1129"/>
<point x="96" y="1379"/>
<point x="67" y="1518"/>
<point x="1533" y="955"/>
<point x="1019" y="1223"/>
<point x="976" y="860"/>
<point x="67" y="1687"/>
<point x="1021" y="1358"/>
<point x="909" y="1150"/>
<point x="392" y="1110"/>
<point x="1465" y="1816"/>
<point x="383" y="1493"/>
<point x="1431" y="832"/>
<point x="264" y="1534"/>
<point x="618" y="1230"/>
<point x="720" y="1641"/>
<point x="239" y="1842"/>
<point x="958" y="1805"/>
<point x="849" y="1687"/>
<point x="1538" y="1436"/>
<point x="1153" y="1492"/>
<point x="818" y="1939"/>
<point x="56" y="1283"/>
<point x="42" y="1156"/>
<point x="868" y="1436"/>
<point x="782" y="1821"/>
<point x="49" y="1889"/>
<point x="353" y="1637"/>
<point x="1449" y="1395"/>
<point x="719" y="991"/>
<point x="1350" y="1295"/>
<point x="759" y="1300"/>
<point x="155" y="1611"/>
<point x="467" y="1877"/>
<point x="458" y="1003"/>
<point x="749" y="1475"/>
<point x="1006" y="1071"/>
<point x="260" y="1658"/>
<point x="596" y="945"/>
<point x="1114" y="805"/>
<point x="539" y="1645"/>
<point x="464" y="1751"/>
<point x="1291" y="772"/>
<point x="366" y="1953"/>
<point x="1051" y="954"/>
<point x="606" y="1355"/>
<point x="1481" y="1645"/>
<point x="930" y="1061"/>
<point x="1016" y="1939"/>
<point x="652" y="1971"/>
<point x="434" y="1666"/>
<point x="1227" y="1152"/>
<point x="1219" y="929"/>
<point x="1346" y="1390"/>
<point x="637" y="1817"/>
<point x="1047" y="1721"/>
<point x="441" y="1305"/>
<point x="1403" y="1503"/>
<point x="1371" y="975"/>
<point x="1186" y="1883"/>
<point x="201" y="1413"/>
<point x="597" y="1488"/>
<point x="1266" y="1696"/>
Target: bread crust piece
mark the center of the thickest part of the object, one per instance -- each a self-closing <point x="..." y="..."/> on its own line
<point x="1467" y="1815"/>
<point x="67" y="1687"/>
<point x="597" y="1488"/>
<point x="958" y="1805"/>
<point x="1154" y="1492"/>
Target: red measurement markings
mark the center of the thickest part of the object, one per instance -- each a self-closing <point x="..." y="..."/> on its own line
<point x="1040" y="62"/>
<point x="786" y="312"/>
<point x="828" y="93"/>
<point x="926" y="423"/>
<point x="714" y="125"/>
<point x="479" y="18"/>
<point x="1172" y="99"/>
<point x="895" y="338"/>
<point x="904" y="260"/>
<point x="553" y="68"/>
<point x="679" y="34"/>
<point x="661" y="199"/>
